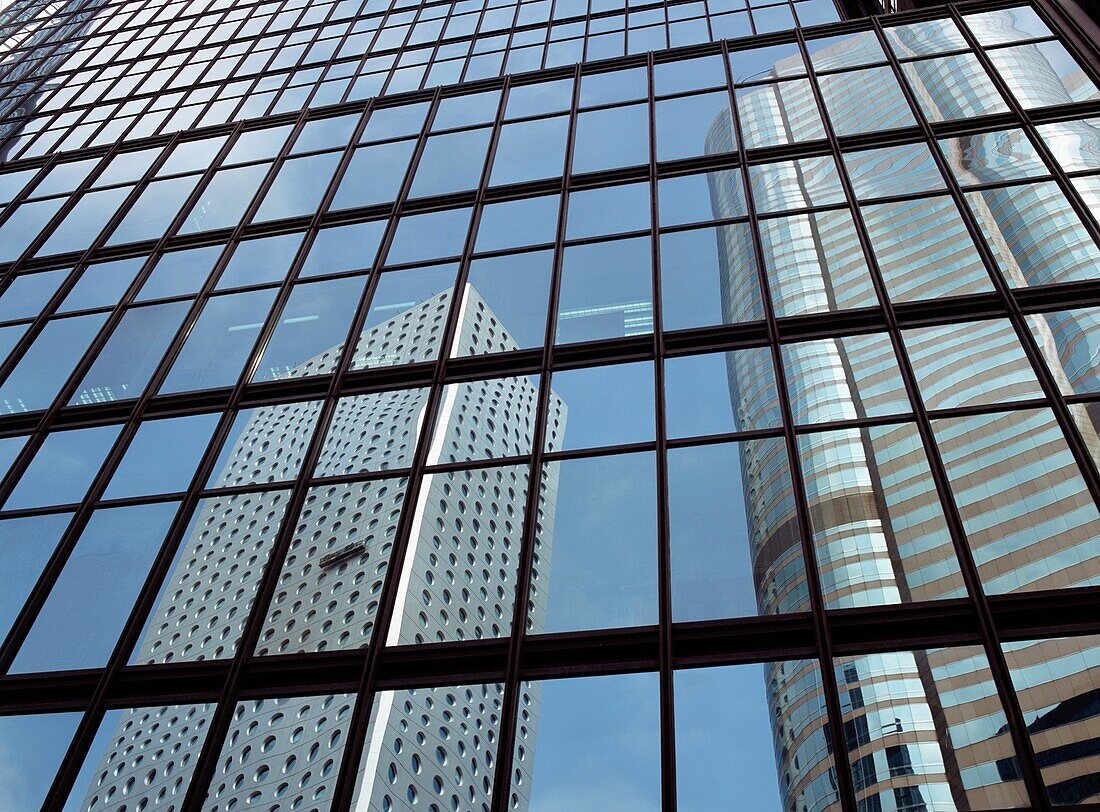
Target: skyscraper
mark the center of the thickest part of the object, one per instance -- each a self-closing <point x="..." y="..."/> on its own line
<point x="549" y="405"/>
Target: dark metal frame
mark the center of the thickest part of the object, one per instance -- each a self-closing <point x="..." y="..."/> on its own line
<point x="820" y="635"/>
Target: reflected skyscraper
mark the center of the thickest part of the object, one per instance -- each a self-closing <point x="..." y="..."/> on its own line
<point x="458" y="583"/>
<point x="918" y="733"/>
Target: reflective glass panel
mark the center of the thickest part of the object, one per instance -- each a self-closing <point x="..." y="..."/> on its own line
<point x="877" y="522"/>
<point x="220" y="341"/>
<point x="63" y="467"/>
<point x="753" y="737"/>
<point x="615" y="720"/>
<point x="934" y="716"/>
<point x="576" y="584"/>
<point x="311" y="329"/>
<point x="79" y="624"/>
<point x="110" y="765"/>
<point x="33" y="746"/>
<point x="606" y="291"/>
<point x="301" y="763"/>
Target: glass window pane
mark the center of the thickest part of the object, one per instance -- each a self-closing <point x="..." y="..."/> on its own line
<point x="614" y="86"/>
<point x="226" y="197"/>
<point x="709" y="276"/>
<point x="34" y="746"/>
<point x="844" y="378"/>
<point x="265" y="444"/>
<point x="992" y="157"/>
<point x="925" y="37"/>
<point x="736" y="548"/>
<point x="128" y="359"/>
<point x="191" y="156"/>
<point x="337" y="563"/>
<point x="846" y="97"/>
<point x="12" y="183"/>
<point x="1068" y="341"/>
<point x="417" y="749"/>
<point x="702" y="197"/>
<point x="1028" y="516"/>
<point x="323" y="133"/>
<point x="507" y="299"/>
<point x="611" y="138"/>
<point x="614" y="720"/>
<point x="25" y="547"/>
<point x="24" y="224"/>
<point x="163" y="456"/>
<point x="1043" y="74"/>
<point x="28" y="294"/>
<point x="609" y="210"/>
<point x="1074" y="144"/>
<point x="84" y="221"/>
<point x="255" y="262"/>
<point x="576" y="584"/>
<point x="844" y="51"/>
<point x="154" y="210"/>
<point x="240" y="528"/>
<point x="516" y="223"/>
<point x="815" y="263"/>
<point x="311" y="330"/>
<point x="491" y="503"/>
<point x="298" y="186"/>
<point x="252" y="145"/>
<point x="179" y="272"/>
<point x="924" y="250"/>
<point x="372" y="432"/>
<point x="220" y="341"/>
<point x="344" y="248"/>
<point x="934" y="716"/>
<point x="1035" y="235"/>
<point x="1054" y="682"/>
<point x="693" y="125"/>
<point x="704" y="393"/>
<point x="530" y="150"/>
<point x="485" y="419"/>
<point x="405" y="320"/>
<point x="467" y="109"/>
<point x="688" y="74"/>
<point x="451" y="162"/>
<point x="753" y="737"/>
<point x="606" y="291"/>
<point x="80" y="622"/>
<point x="607" y="405"/>
<point x="110" y="766"/>
<point x="890" y="171"/>
<point x="778" y="113"/>
<point x="421" y="237"/>
<point x="374" y="175"/>
<point x="1006" y="25"/>
<point x="953" y="87"/>
<point x="877" y="522"/>
<point x="795" y="184"/>
<point x="972" y="363"/>
<point x="391" y="122"/>
<point x="63" y="467"/>
<point x="43" y="369"/>
<point x="102" y="284"/>
<point x="541" y="97"/>
<point x="280" y="773"/>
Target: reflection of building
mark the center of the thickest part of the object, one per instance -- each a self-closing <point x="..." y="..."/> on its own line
<point x="458" y="583"/>
<point x="32" y="25"/>
<point x="921" y="730"/>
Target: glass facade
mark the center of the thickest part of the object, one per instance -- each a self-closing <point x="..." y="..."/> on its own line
<point x="549" y="405"/>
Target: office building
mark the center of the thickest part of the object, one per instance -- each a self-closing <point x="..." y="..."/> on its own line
<point x="549" y="405"/>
